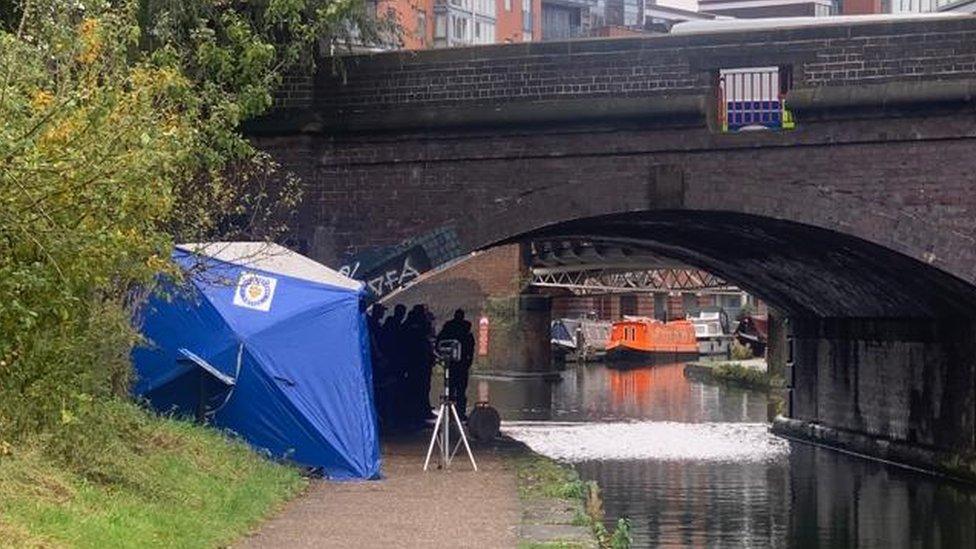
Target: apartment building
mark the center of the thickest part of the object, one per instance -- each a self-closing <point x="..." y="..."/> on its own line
<point x="452" y="23"/>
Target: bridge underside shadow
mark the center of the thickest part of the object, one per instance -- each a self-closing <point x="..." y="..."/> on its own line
<point x="882" y="347"/>
<point x="802" y="270"/>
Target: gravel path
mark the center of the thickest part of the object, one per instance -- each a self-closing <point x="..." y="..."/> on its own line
<point x="409" y="508"/>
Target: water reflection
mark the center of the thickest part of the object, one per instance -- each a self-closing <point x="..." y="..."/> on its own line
<point x="600" y="393"/>
<point x="841" y="501"/>
<point x="815" y="498"/>
<point x="696" y="504"/>
<point x="801" y="496"/>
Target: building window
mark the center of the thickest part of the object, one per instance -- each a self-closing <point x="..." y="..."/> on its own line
<point x="422" y="27"/>
<point x="459" y="28"/>
<point x="561" y="22"/>
<point x="660" y="306"/>
<point x="628" y="305"/>
<point x="508" y="5"/>
<point x="440" y="26"/>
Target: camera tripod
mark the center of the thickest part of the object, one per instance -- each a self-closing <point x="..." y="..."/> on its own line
<point x="441" y="437"/>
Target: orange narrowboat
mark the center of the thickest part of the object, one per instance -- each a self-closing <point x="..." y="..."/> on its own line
<point x="639" y="338"/>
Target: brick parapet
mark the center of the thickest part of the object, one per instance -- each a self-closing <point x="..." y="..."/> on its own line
<point x="644" y="67"/>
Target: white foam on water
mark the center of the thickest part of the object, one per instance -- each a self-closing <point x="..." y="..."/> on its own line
<point x="664" y="441"/>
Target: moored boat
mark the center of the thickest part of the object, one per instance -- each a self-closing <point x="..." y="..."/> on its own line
<point x="753" y="331"/>
<point x="581" y="339"/>
<point x="638" y="338"/>
<point x="712" y="333"/>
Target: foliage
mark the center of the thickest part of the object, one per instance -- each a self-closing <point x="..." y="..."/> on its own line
<point x="235" y="54"/>
<point x="621" y="538"/>
<point x="120" y="136"/>
<point x="741" y="375"/>
<point x="124" y="478"/>
<point x="91" y="149"/>
<point x="541" y="478"/>
<point x="740" y="351"/>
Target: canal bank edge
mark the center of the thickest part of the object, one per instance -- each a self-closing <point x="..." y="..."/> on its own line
<point x="955" y="466"/>
<point x="730" y="372"/>
<point x="558" y="509"/>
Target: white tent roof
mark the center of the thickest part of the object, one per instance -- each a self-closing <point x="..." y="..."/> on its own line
<point x="272" y="258"/>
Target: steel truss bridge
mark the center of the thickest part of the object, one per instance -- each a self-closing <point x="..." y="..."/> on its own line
<point x="650" y="281"/>
<point x="586" y="267"/>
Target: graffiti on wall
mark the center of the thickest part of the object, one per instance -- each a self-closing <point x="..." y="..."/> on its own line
<point x="392" y="273"/>
<point x="388" y="268"/>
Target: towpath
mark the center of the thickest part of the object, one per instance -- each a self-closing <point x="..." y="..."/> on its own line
<point x="408" y="508"/>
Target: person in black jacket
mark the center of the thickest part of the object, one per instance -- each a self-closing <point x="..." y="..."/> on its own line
<point x="418" y="360"/>
<point x="459" y="329"/>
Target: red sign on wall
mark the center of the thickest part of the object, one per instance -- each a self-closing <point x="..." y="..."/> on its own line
<point x="483" y="336"/>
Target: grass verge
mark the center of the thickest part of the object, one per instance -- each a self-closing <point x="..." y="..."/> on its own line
<point x="119" y="476"/>
<point x="541" y="478"/>
<point x="729" y="373"/>
<point x="737" y="374"/>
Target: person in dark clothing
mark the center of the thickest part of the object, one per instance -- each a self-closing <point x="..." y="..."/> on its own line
<point x="418" y="360"/>
<point x="391" y="343"/>
<point x="460" y="329"/>
<point x="378" y="358"/>
<point x="423" y="313"/>
<point x="392" y="326"/>
<point x="376" y="313"/>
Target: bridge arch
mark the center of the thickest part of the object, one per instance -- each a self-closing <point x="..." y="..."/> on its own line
<point x="860" y="222"/>
<point x="802" y="269"/>
<point x="883" y="344"/>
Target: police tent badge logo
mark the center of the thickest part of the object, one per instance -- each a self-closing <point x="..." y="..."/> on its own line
<point x="255" y="291"/>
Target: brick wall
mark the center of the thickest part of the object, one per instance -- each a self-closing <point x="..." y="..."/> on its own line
<point x="901" y="186"/>
<point x="295" y="92"/>
<point x="649" y="66"/>
<point x="607" y="307"/>
<point x="897" y="379"/>
<point x="466" y="284"/>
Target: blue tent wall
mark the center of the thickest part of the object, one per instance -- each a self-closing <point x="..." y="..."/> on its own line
<point x="304" y="389"/>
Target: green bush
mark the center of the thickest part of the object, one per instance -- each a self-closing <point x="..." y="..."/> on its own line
<point x="120" y="136"/>
<point x="621" y="538"/>
<point x="740" y="351"/>
<point x="741" y="375"/>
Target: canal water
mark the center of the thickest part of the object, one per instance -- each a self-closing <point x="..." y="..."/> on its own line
<point x="692" y="464"/>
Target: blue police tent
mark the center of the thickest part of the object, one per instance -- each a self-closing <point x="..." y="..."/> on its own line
<point x="271" y="345"/>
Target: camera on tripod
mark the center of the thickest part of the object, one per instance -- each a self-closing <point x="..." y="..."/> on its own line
<point x="449" y="350"/>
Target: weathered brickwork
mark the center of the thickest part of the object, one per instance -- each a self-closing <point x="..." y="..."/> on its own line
<point x="659" y="66"/>
<point x="906" y="185"/>
<point x="900" y="380"/>
<point x="871" y="58"/>
<point x="467" y="285"/>
<point x="295" y="92"/>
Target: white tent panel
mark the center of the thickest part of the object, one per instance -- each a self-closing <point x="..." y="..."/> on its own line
<point x="272" y="258"/>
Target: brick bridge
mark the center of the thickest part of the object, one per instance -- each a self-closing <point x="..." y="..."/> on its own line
<point x="859" y="224"/>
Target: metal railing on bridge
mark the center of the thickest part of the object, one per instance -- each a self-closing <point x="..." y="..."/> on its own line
<point x="753" y="98"/>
